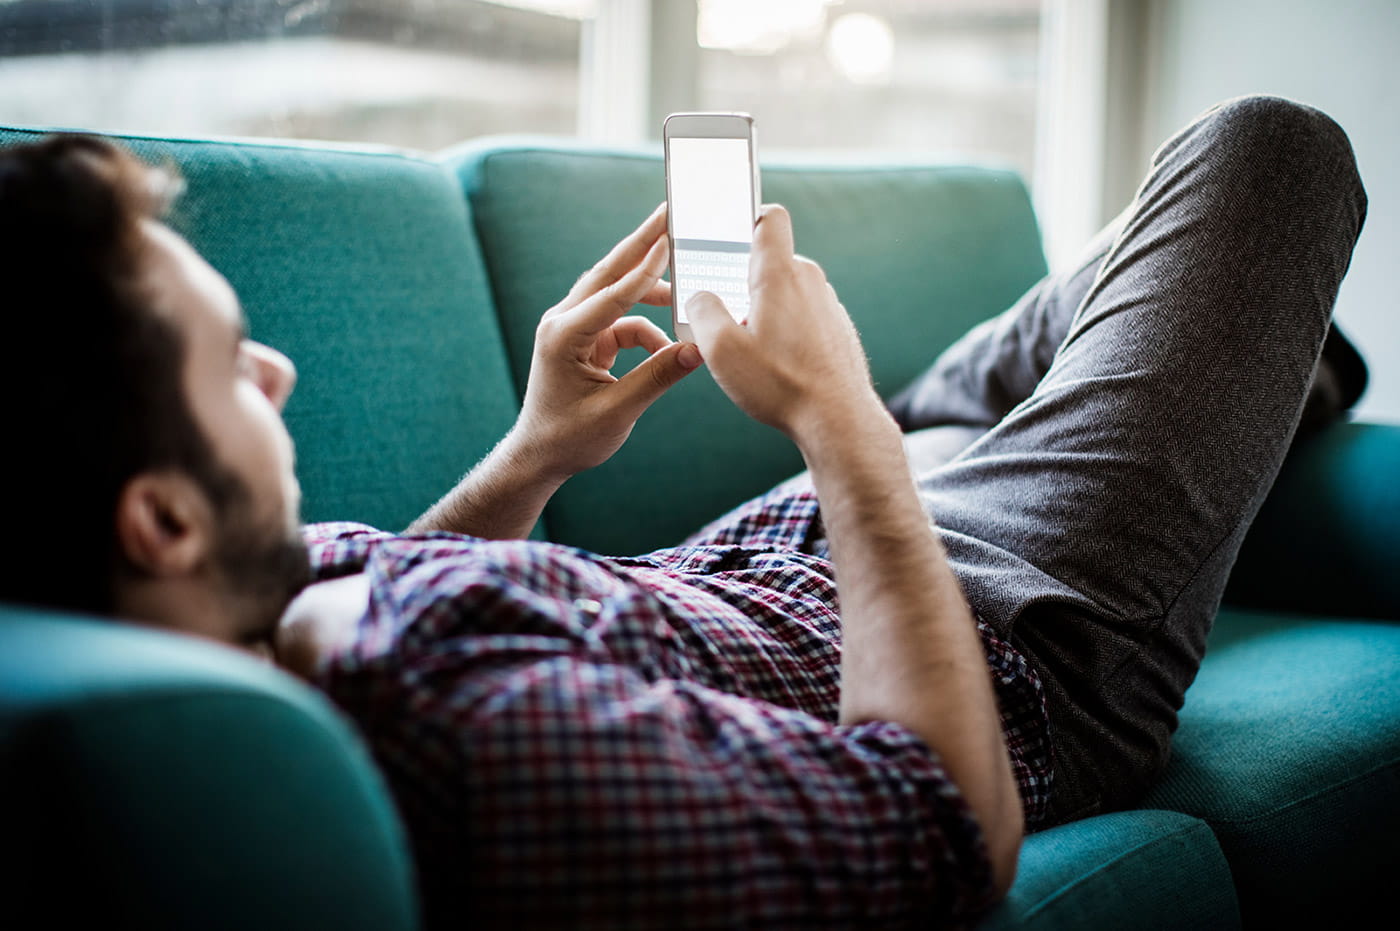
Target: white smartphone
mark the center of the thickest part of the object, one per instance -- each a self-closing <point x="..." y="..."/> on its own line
<point x="712" y="199"/>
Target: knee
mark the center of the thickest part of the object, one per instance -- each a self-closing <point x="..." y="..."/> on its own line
<point x="1274" y="137"/>
<point x="1283" y="124"/>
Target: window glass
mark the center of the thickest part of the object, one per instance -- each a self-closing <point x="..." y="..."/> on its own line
<point x="928" y="76"/>
<point x="415" y="73"/>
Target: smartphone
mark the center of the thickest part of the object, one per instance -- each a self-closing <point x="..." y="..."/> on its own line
<point x="712" y="200"/>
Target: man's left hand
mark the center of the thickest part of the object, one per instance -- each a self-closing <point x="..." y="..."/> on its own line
<point x="576" y="412"/>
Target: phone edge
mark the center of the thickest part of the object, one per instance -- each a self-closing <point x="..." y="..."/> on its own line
<point x="682" y="331"/>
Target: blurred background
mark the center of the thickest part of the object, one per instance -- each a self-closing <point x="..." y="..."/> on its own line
<point x="1075" y="94"/>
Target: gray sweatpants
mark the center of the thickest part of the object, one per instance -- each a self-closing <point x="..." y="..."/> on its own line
<point x="1127" y="419"/>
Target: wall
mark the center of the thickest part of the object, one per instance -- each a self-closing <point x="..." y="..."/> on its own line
<point x="1341" y="56"/>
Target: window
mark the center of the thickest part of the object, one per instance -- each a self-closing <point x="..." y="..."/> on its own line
<point x="940" y="78"/>
<point x="955" y="77"/>
<point x="413" y="73"/>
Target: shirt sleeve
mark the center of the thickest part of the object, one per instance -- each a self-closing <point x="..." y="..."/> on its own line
<point x="567" y="792"/>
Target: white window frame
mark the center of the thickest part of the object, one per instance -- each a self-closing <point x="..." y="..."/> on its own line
<point x="615" y="73"/>
<point x="1071" y="125"/>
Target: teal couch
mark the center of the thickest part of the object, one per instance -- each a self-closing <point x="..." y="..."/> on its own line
<point x="179" y="784"/>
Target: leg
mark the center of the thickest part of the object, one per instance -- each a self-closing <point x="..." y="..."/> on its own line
<point x="983" y="376"/>
<point x="1095" y="524"/>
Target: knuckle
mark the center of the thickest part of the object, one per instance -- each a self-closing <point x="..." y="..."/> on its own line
<point x="616" y="294"/>
<point x="659" y="377"/>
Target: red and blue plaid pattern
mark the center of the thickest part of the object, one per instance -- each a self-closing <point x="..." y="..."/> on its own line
<point x="652" y="741"/>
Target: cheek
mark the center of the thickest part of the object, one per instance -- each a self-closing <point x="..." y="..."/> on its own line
<point x="266" y="446"/>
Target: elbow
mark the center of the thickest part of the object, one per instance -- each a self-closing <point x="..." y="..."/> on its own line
<point x="1004" y="843"/>
<point x="1005" y="855"/>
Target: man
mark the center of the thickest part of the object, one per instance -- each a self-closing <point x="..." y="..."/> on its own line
<point x="696" y="737"/>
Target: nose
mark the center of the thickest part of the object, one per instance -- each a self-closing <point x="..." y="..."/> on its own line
<point x="275" y="374"/>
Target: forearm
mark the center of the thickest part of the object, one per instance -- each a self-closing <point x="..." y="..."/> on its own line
<point x="911" y="653"/>
<point x="500" y="499"/>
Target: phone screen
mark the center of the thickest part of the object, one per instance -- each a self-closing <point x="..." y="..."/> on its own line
<point x="711" y="221"/>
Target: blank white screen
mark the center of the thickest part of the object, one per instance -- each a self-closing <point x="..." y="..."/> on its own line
<point x="711" y="195"/>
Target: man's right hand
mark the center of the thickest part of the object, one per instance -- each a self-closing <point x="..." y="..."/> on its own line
<point x="910" y="650"/>
<point x="798" y="359"/>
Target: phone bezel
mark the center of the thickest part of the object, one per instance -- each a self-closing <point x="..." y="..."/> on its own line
<point x="703" y="126"/>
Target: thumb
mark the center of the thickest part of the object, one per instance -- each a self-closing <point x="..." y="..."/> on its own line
<point x="658" y="372"/>
<point x="711" y="322"/>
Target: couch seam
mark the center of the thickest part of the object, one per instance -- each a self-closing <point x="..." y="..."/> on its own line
<point x="487" y="155"/>
<point x="1311" y="797"/>
<point x="315" y="705"/>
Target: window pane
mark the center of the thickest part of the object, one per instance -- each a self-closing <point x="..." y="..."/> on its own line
<point x="416" y="73"/>
<point x="932" y="76"/>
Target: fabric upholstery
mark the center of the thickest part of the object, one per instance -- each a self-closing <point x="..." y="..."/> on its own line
<point x="1326" y="539"/>
<point x="1289" y="747"/>
<point x="169" y="783"/>
<point x="1146" y="870"/>
<point x="938" y="249"/>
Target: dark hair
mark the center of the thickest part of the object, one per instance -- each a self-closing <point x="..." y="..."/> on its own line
<point x="92" y="382"/>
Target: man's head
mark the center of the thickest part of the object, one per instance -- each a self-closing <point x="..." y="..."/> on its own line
<point x="147" y="466"/>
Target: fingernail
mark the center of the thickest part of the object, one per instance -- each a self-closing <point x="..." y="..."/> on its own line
<point x="689" y="356"/>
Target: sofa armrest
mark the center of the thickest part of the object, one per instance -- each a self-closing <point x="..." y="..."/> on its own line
<point x="152" y="780"/>
<point x="1327" y="539"/>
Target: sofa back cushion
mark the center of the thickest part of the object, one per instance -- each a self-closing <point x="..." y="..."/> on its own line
<point x="1325" y="540"/>
<point x="360" y="265"/>
<point x="918" y="254"/>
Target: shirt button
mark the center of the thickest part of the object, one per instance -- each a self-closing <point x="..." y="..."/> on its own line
<point x="587" y="606"/>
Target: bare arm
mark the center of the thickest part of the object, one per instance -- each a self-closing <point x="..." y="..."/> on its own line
<point x="911" y="652"/>
<point x="500" y="499"/>
<point x="576" y="412"/>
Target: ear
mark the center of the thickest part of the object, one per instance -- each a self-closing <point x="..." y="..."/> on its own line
<point x="164" y="523"/>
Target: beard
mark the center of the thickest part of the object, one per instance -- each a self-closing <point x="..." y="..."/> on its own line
<point x="260" y="563"/>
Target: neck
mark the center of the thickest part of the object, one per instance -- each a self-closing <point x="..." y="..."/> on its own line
<point x="189" y="604"/>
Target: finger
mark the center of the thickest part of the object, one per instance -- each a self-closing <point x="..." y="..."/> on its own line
<point x="602" y="310"/>
<point x="712" y="324"/>
<point x="631" y="332"/>
<point x="659" y="295"/>
<point x="640" y="387"/>
<point x="772" y="242"/>
<point x="622" y="258"/>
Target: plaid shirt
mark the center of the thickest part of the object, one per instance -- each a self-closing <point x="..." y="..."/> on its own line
<point x="653" y="741"/>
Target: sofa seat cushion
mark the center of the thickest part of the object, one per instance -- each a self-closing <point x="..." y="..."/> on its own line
<point x="361" y="265"/>
<point x="919" y="254"/>
<point x="1142" y="869"/>
<point x="1289" y="747"/>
